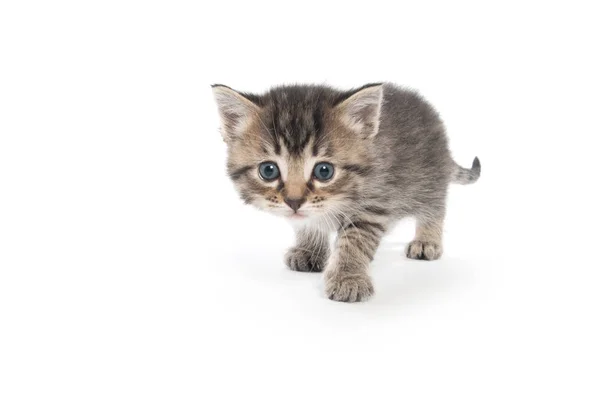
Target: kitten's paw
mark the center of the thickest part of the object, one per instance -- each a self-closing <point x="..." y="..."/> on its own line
<point x="344" y="287"/>
<point x="423" y="250"/>
<point x="303" y="260"/>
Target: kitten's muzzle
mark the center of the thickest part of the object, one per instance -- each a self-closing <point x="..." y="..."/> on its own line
<point x="294" y="203"/>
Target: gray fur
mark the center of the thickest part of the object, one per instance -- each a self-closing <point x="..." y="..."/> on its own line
<point x="310" y="252"/>
<point x="467" y="176"/>
<point x="390" y="152"/>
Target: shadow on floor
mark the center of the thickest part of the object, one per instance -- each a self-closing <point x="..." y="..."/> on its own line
<point x="397" y="279"/>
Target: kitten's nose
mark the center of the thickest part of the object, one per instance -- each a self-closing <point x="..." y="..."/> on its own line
<point x="294" y="203"/>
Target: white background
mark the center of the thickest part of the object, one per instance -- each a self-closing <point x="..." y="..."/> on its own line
<point x="130" y="270"/>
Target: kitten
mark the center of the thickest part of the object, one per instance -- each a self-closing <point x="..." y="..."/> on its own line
<point x="353" y="162"/>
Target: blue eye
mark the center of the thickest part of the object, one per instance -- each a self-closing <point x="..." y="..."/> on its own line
<point x="268" y="171"/>
<point x="323" y="171"/>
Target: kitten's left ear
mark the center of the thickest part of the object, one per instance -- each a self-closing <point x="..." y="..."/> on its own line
<point x="235" y="111"/>
<point x="362" y="110"/>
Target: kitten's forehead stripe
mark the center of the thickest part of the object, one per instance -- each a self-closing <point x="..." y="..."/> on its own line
<point x="315" y="149"/>
<point x="277" y="144"/>
<point x="297" y="114"/>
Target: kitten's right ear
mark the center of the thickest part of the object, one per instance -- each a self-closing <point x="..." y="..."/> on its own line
<point x="235" y="111"/>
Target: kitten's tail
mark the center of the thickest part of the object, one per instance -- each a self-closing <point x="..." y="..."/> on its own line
<point x="463" y="175"/>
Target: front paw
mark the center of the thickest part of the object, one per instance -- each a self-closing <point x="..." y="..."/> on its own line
<point x="303" y="260"/>
<point x="346" y="287"/>
<point x="423" y="250"/>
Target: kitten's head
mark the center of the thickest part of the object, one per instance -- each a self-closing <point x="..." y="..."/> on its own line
<point x="302" y="152"/>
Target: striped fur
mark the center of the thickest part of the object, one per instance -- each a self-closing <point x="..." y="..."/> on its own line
<point x="391" y="160"/>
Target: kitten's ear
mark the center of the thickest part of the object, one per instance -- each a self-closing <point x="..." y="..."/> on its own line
<point x="362" y="110"/>
<point x="235" y="111"/>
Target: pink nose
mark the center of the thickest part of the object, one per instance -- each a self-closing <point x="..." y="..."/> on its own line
<point x="294" y="203"/>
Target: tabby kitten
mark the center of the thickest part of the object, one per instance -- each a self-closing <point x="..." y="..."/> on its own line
<point x="353" y="162"/>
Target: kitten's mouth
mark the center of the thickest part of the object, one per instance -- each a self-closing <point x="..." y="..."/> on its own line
<point x="296" y="216"/>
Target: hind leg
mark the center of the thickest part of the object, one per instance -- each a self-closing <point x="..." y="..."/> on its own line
<point x="427" y="244"/>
